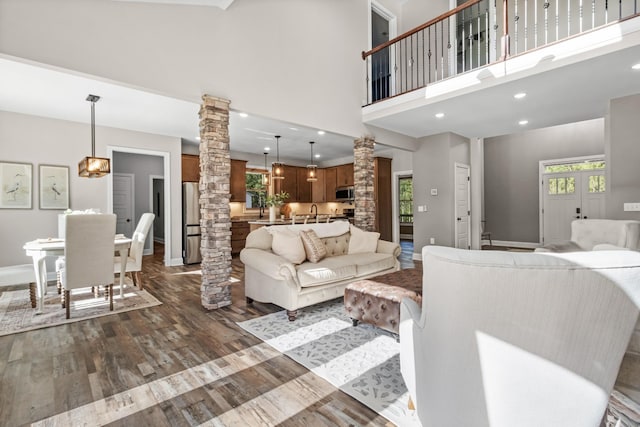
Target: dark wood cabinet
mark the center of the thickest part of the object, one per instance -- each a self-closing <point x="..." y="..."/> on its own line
<point x="318" y="188"/>
<point x="304" y="186"/>
<point x="289" y="184"/>
<point x="344" y="175"/>
<point x="239" y="232"/>
<point x="382" y="196"/>
<point x="190" y="168"/>
<point x="330" y="184"/>
<point x="238" y="183"/>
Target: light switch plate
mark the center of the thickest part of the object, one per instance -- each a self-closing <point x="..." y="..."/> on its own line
<point x="434" y="191"/>
<point x="631" y="207"/>
<point x="420" y="208"/>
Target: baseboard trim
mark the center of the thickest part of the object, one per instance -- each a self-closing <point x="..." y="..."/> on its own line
<point x="416" y="257"/>
<point x="523" y="245"/>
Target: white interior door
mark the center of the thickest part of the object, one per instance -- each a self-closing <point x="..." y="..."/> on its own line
<point x="462" y="210"/>
<point x="123" y="202"/>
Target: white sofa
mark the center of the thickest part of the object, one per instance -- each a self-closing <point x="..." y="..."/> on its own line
<point x="518" y="339"/>
<point x="272" y="278"/>
<point x="599" y="234"/>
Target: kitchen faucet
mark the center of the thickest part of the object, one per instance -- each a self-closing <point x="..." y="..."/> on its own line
<point x="314" y="206"/>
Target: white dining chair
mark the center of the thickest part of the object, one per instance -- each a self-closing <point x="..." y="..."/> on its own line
<point x="134" y="261"/>
<point x="88" y="253"/>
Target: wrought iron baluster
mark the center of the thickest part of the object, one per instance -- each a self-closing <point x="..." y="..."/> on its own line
<point x="429" y="53"/>
<point x="424" y="60"/>
<point x="442" y="71"/>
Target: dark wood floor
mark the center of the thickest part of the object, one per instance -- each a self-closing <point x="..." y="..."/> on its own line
<point x="146" y="367"/>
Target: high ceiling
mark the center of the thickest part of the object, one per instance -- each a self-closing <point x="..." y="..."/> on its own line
<point x="222" y="4"/>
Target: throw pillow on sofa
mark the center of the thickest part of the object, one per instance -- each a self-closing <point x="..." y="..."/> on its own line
<point x="313" y="246"/>
<point x="288" y="245"/>
<point x="362" y="241"/>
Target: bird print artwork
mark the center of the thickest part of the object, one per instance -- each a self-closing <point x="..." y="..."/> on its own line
<point x="54" y="188"/>
<point x="13" y="189"/>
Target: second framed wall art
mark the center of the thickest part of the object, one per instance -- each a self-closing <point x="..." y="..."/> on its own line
<point x="54" y="187"/>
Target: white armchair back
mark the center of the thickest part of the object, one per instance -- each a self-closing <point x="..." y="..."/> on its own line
<point x="518" y="339"/>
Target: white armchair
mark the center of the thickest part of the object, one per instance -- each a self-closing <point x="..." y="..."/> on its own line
<point x="134" y="261"/>
<point x="599" y="234"/>
<point x="524" y="339"/>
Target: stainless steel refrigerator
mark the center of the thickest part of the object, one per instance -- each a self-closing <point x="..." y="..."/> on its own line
<point x="190" y="223"/>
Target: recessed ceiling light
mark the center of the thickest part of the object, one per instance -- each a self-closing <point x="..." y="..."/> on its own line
<point x="243" y="115"/>
<point x="320" y="132"/>
<point x="293" y="129"/>
<point x="523" y="122"/>
<point x="439" y="115"/>
<point x="520" y="95"/>
<point x="317" y="156"/>
<point x="636" y="66"/>
<point x="267" y="148"/>
<point x="198" y="138"/>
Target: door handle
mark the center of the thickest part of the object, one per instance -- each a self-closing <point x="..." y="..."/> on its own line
<point x="578" y="217"/>
<point x="459" y="219"/>
<point x="584" y="217"/>
<point x="128" y="220"/>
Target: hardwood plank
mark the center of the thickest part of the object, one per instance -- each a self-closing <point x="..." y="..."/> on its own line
<point x="174" y="364"/>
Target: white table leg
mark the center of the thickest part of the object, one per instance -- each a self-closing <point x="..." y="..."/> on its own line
<point x="124" y="254"/>
<point x="40" y="268"/>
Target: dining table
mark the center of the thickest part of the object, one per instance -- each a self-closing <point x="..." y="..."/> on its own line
<point x="39" y="249"/>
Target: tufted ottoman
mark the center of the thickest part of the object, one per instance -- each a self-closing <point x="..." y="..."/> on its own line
<point x="376" y="303"/>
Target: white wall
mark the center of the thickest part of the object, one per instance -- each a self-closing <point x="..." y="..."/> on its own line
<point x="39" y="140"/>
<point x="511" y="188"/>
<point x="433" y="167"/>
<point x="296" y="61"/>
<point x="623" y="154"/>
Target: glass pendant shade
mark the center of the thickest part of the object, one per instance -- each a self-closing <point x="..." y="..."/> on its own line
<point x="92" y="166"/>
<point x="277" y="168"/>
<point x="265" y="175"/>
<point x="312" y="169"/>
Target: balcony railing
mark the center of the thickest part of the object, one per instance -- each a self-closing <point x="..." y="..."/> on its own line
<point x="478" y="33"/>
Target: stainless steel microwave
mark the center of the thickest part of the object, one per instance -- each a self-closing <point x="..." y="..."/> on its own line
<point x="345" y="194"/>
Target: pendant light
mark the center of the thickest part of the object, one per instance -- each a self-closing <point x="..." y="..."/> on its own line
<point x="265" y="175"/>
<point x="277" y="168"/>
<point x="92" y="166"/>
<point x="312" y="169"/>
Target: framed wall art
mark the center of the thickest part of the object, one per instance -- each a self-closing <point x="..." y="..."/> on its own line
<point x="54" y="187"/>
<point x="16" y="185"/>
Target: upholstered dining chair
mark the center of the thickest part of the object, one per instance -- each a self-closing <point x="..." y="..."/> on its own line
<point x="134" y="261"/>
<point x="88" y="254"/>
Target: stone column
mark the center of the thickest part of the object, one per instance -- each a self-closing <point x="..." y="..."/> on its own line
<point x="365" y="209"/>
<point x="215" y="221"/>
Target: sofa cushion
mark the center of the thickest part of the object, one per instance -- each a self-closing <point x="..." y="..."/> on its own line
<point x="313" y="246"/>
<point x="362" y="241"/>
<point x="330" y="269"/>
<point x="288" y="245"/>
<point x="259" y="239"/>
<point x="337" y="245"/>
<point x="368" y="263"/>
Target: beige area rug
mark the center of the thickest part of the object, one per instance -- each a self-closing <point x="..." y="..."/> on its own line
<point x="16" y="314"/>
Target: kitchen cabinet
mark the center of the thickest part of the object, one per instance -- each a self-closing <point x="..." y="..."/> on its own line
<point x="237" y="181"/>
<point x="318" y="188"/>
<point x="330" y="184"/>
<point x="382" y="196"/>
<point x="239" y="232"/>
<point x="344" y="175"/>
<point x="289" y="184"/>
<point x="190" y="168"/>
<point x="304" y="186"/>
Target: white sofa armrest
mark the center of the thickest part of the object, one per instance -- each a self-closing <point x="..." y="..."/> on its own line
<point x="269" y="264"/>
<point x="385" y="247"/>
<point x="410" y="313"/>
<point x="609" y="247"/>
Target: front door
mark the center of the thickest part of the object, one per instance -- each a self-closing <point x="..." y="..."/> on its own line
<point x="569" y="196"/>
<point x="462" y="210"/>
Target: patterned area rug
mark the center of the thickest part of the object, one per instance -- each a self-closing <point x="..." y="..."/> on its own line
<point x="361" y="361"/>
<point x="16" y="314"/>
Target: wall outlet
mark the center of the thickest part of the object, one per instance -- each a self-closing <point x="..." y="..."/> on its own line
<point x="432" y="241"/>
<point x="631" y="207"/>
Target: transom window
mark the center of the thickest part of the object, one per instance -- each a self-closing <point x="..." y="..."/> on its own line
<point x="575" y="167"/>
